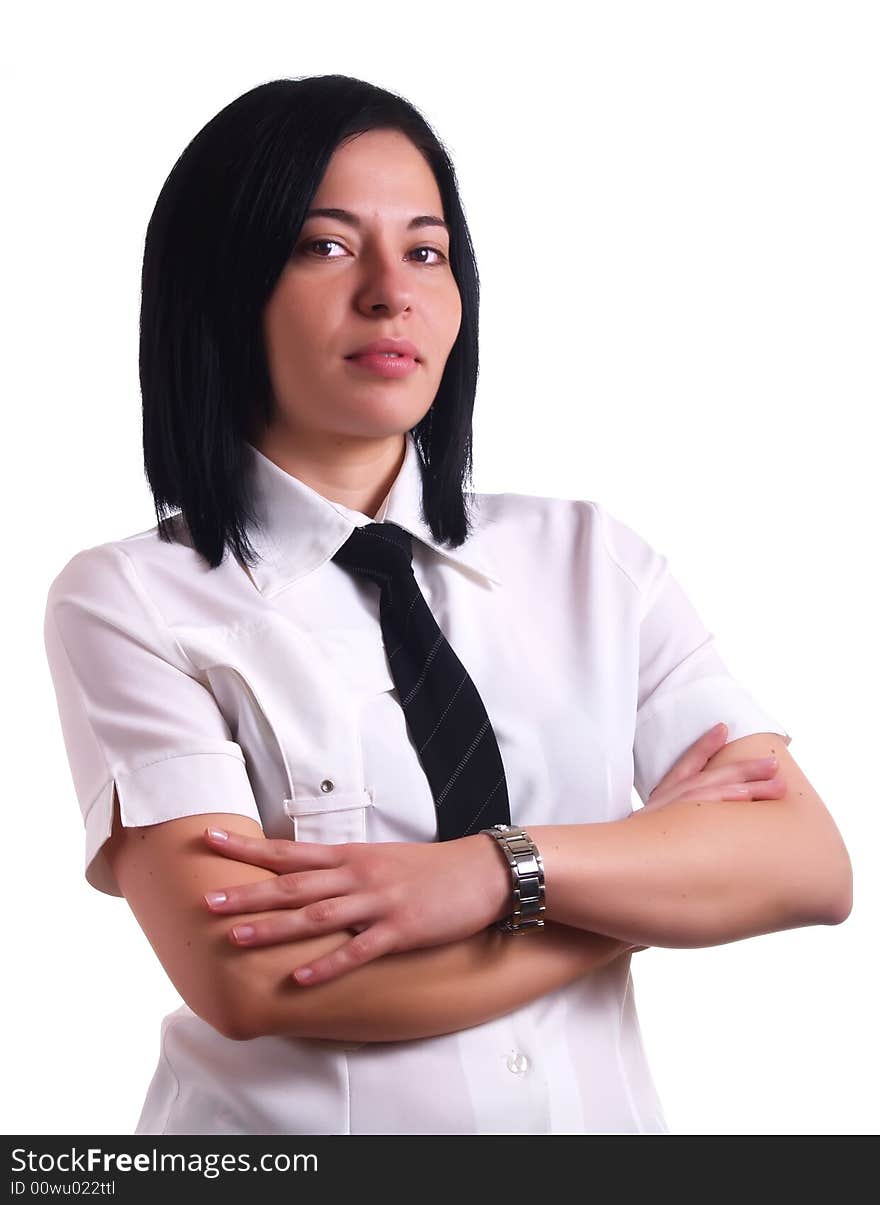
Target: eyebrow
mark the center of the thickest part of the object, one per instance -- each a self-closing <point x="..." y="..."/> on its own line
<point x="345" y="215"/>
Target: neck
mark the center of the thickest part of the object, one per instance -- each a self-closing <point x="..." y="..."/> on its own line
<point x="354" y="471"/>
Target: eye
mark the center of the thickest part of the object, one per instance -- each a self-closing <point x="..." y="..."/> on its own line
<point x="330" y="242"/>
<point x="319" y="242"/>
<point x="436" y="252"/>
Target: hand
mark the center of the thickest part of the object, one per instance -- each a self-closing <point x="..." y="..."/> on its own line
<point x="752" y="778"/>
<point x="394" y="895"/>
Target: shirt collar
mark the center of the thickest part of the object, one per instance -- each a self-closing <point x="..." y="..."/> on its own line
<point x="298" y="529"/>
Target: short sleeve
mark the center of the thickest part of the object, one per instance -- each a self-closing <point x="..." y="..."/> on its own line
<point x="684" y="685"/>
<point x="133" y="711"/>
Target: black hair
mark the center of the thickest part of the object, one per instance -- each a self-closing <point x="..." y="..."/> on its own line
<point x="221" y="233"/>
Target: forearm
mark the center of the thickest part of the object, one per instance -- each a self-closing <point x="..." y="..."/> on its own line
<point x="441" y="989"/>
<point x="689" y="874"/>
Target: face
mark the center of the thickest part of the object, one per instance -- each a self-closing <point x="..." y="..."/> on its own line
<point x="346" y="285"/>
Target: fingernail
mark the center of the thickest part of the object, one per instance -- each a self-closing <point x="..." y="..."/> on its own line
<point x="219" y="834"/>
<point x="243" y="932"/>
<point x="215" y="897"/>
<point x="303" y="974"/>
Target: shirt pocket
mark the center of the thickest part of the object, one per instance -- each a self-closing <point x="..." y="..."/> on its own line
<point x="339" y="811"/>
<point x="294" y="699"/>
<point x="331" y="818"/>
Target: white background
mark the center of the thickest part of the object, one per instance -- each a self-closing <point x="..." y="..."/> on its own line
<point x="674" y="207"/>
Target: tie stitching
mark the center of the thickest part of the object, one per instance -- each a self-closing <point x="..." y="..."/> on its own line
<point x="418" y="685"/>
<point x="415" y="599"/>
<point x="445" y="709"/>
<point x="378" y="536"/>
<point x="485" y="801"/>
<point x="463" y="762"/>
<point x="372" y="573"/>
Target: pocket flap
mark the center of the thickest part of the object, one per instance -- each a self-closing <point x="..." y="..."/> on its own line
<point x="333" y="801"/>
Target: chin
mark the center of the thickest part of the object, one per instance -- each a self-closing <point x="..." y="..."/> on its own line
<point x="382" y="425"/>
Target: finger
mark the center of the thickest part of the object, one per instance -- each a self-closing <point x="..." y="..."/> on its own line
<point x="713" y="792"/>
<point x="325" y="916"/>
<point x="710" y="783"/>
<point x="773" y="788"/>
<point x="273" y="853"/>
<point x="288" y="890"/>
<point x="371" y="943"/>
<point x="748" y="770"/>
<point x="694" y="759"/>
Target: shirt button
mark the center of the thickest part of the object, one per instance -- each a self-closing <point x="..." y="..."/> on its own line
<point x="517" y="1062"/>
<point x="326" y="785"/>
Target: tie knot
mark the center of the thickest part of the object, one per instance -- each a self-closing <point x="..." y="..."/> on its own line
<point x="382" y="551"/>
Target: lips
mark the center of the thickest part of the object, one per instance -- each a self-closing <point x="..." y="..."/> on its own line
<point x="398" y="347"/>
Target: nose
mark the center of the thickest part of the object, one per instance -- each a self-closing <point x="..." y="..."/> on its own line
<point x="386" y="280"/>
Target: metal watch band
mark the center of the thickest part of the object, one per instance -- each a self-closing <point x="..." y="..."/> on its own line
<point x="527" y="872"/>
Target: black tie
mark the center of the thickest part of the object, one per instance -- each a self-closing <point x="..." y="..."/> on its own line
<point x="447" y="721"/>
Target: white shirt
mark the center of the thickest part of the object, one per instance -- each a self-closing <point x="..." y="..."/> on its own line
<point x="198" y="690"/>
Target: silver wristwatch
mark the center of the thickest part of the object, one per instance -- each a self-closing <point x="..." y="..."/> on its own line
<point x="527" y="871"/>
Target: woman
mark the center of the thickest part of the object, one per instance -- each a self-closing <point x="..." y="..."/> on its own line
<point x="255" y="694"/>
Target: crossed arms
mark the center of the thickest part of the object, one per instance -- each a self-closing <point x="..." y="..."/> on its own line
<point x="746" y="871"/>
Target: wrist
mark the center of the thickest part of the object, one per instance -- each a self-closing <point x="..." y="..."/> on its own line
<point x="497" y="878"/>
<point x="526" y="868"/>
